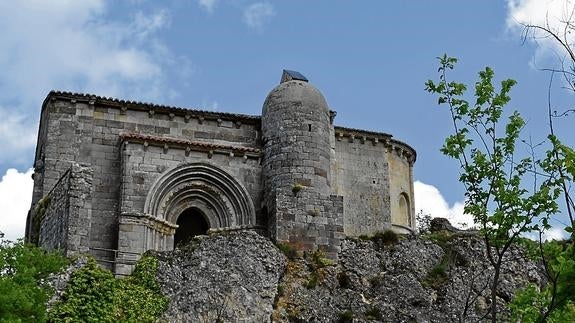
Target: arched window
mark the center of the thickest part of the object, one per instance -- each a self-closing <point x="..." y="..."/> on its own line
<point x="404" y="217"/>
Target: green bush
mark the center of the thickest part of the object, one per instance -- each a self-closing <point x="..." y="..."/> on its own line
<point x="93" y="294"/>
<point x="343" y="279"/>
<point x="387" y="237"/>
<point x="319" y="259"/>
<point x="297" y="187"/>
<point x="557" y="298"/>
<point x="313" y="280"/>
<point x="373" y="313"/>
<point x="364" y="237"/>
<point x="441" y="238"/>
<point x="436" y="277"/>
<point x="345" y="316"/>
<point x="89" y="295"/>
<point x="23" y="268"/>
<point x="288" y="250"/>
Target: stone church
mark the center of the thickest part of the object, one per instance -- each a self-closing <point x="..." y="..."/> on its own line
<point x="115" y="178"/>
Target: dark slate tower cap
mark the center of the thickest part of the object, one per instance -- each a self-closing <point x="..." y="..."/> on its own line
<point x="288" y="75"/>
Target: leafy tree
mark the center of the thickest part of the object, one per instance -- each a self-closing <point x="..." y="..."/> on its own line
<point x="423" y="221"/>
<point x="502" y="192"/>
<point x="23" y="268"/>
<point x="560" y="160"/>
<point x="555" y="302"/>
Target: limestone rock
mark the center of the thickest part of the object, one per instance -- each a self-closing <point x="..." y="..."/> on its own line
<point x="439" y="224"/>
<point x="242" y="277"/>
<point x="227" y="276"/>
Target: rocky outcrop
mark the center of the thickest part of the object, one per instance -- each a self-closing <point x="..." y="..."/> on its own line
<point x="242" y="276"/>
<point x="415" y="280"/>
<point x="224" y="277"/>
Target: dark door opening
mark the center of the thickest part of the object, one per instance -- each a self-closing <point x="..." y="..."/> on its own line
<point x="191" y="223"/>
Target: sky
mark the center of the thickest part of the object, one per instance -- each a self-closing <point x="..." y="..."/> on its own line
<point x="370" y="59"/>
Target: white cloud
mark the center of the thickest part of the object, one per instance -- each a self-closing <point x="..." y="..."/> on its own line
<point x="551" y="14"/>
<point x="145" y="25"/>
<point x="210" y="106"/>
<point x="75" y="46"/>
<point x="17" y="134"/>
<point x="552" y="234"/>
<point x="429" y="200"/>
<point x="70" y="44"/>
<point x="15" y="199"/>
<point x="208" y="5"/>
<point x="258" y="14"/>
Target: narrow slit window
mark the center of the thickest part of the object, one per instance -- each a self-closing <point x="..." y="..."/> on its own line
<point x="309" y="127"/>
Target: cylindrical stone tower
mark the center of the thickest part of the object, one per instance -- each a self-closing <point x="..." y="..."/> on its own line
<point x="296" y="168"/>
<point x="296" y="130"/>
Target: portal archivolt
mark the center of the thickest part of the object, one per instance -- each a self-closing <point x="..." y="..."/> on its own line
<point x="209" y="190"/>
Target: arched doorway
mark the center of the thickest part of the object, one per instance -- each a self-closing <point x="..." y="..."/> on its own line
<point x="191" y="222"/>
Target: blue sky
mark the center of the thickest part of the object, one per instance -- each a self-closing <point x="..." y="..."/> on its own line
<point x="369" y="58"/>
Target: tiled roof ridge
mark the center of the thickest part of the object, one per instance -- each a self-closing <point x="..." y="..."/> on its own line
<point x="375" y="133"/>
<point x="370" y="132"/>
<point x="183" y="142"/>
<point x="120" y="102"/>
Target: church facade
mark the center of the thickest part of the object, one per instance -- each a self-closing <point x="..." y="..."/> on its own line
<point x="116" y="178"/>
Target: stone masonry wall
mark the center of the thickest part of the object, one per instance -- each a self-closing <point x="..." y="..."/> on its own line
<point x="308" y="220"/>
<point x="66" y="219"/>
<point x="143" y="165"/>
<point x="401" y="182"/>
<point x="372" y="170"/>
<point x="363" y="181"/>
<point x="86" y="129"/>
<point x="52" y="216"/>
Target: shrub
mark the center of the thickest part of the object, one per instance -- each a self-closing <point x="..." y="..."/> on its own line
<point x="23" y="268"/>
<point x="436" y="277"/>
<point x="364" y="237"/>
<point x="345" y="316"/>
<point x="441" y="238"/>
<point x="319" y="259"/>
<point x="387" y="237"/>
<point x="423" y="221"/>
<point x="94" y="294"/>
<point x="297" y="187"/>
<point x="373" y="313"/>
<point x="288" y="250"/>
<point x="343" y="279"/>
<point x="313" y="280"/>
<point x="314" y="212"/>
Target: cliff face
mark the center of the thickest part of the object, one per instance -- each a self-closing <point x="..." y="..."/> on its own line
<point x="220" y="278"/>
<point x="242" y="276"/>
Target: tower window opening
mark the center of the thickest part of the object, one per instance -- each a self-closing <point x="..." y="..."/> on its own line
<point x="309" y="127"/>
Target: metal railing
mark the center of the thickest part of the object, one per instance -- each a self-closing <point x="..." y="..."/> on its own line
<point x="109" y="258"/>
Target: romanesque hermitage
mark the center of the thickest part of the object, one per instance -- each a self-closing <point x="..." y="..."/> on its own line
<point x="116" y="178"/>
